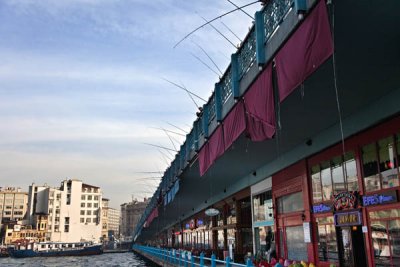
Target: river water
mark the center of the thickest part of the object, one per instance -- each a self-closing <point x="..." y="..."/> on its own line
<point x="106" y="259"/>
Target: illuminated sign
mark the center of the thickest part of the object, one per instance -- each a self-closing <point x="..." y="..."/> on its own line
<point x="187" y="226"/>
<point x="345" y="200"/>
<point x="200" y="222"/>
<point x="320" y="208"/>
<point x="348" y="218"/>
<point x="211" y="212"/>
<point x="378" y="199"/>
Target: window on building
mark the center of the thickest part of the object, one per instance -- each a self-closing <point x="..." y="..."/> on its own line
<point x="82" y="205"/>
<point x="326" y="236"/>
<point x="88" y="212"/>
<point x="66" y="220"/>
<point x="83" y="197"/>
<point x="89" y="197"/>
<point x="262" y="206"/>
<point x="66" y="228"/>
<point x="89" y="205"/>
<point x="58" y="197"/>
<point x="296" y="249"/>
<point x="82" y="220"/>
<point x="96" y="205"/>
<point x="380" y="164"/>
<point x="385" y="233"/>
<point x="291" y="203"/>
<point x="7" y="212"/>
<point x="334" y="176"/>
<point x="57" y="211"/>
<point x="88" y="220"/>
<point x="56" y="228"/>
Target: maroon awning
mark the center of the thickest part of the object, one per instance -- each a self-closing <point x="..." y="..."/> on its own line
<point x="234" y="124"/>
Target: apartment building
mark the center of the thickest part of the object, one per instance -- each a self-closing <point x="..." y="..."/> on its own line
<point x="130" y="216"/>
<point x="13" y="204"/>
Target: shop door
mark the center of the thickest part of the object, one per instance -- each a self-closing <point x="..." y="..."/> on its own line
<point x="351" y="246"/>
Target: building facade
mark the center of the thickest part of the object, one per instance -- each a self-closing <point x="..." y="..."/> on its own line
<point x="73" y="209"/>
<point x="13" y="204"/>
<point x="130" y="215"/>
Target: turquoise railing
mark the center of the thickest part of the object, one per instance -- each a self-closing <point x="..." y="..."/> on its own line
<point x="266" y="23"/>
<point x="186" y="259"/>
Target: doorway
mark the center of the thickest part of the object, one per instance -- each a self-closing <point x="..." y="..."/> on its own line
<point x="351" y="246"/>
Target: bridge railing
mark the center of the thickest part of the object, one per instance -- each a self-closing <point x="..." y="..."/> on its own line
<point x="186" y="259"/>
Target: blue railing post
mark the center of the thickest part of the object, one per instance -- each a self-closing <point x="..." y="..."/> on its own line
<point x="218" y="102"/>
<point x="235" y="75"/>
<point x="301" y="6"/>
<point x="186" y="259"/>
<point x="260" y="37"/>
<point x="191" y="260"/>
<point x="249" y="263"/>
<point x="205" y="120"/>
<point x="175" y="260"/>
<point x="179" y="257"/>
<point x="228" y="261"/>
<point x="213" y="263"/>
<point x="202" y="259"/>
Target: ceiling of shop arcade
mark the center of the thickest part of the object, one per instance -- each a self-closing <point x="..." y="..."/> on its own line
<point x="367" y="56"/>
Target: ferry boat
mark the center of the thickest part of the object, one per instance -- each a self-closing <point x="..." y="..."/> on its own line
<point x="54" y="249"/>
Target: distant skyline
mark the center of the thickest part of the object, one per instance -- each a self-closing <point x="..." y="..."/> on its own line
<point x="82" y="89"/>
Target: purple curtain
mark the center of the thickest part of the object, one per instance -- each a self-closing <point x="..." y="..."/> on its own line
<point x="259" y="106"/>
<point x="234" y="124"/>
<point x="305" y="51"/>
<point x="204" y="159"/>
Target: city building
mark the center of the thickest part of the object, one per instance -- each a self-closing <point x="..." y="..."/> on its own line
<point x="17" y="233"/>
<point x="104" y="218"/>
<point x="114" y="220"/>
<point x="130" y="214"/>
<point x="73" y="209"/>
<point x="13" y="204"/>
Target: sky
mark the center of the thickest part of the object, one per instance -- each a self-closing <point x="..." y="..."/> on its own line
<point x="82" y="87"/>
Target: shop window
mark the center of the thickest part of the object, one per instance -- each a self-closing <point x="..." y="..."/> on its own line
<point x="262" y="207"/>
<point x="221" y="239"/>
<point x="296" y="250"/>
<point x="334" y="176"/>
<point x="291" y="203"/>
<point x="380" y="164"/>
<point x="326" y="235"/>
<point x="385" y="233"/>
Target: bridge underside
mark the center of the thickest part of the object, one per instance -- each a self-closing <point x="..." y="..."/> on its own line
<point x="367" y="66"/>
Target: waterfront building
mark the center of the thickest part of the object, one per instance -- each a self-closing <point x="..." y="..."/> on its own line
<point x="110" y="221"/>
<point x="304" y="132"/>
<point x="73" y="209"/>
<point x="13" y="204"/>
<point x="16" y="232"/>
<point x="130" y="215"/>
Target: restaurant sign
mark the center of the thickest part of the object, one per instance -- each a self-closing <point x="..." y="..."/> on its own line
<point x="378" y="199"/>
<point x="345" y="200"/>
<point x="320" y="208"/>
<point x="348" y="218"/>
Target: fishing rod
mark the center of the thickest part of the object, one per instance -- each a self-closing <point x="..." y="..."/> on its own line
<point x="220" y="33"/>
<point x="214" y="19"/>
<point x="205" y="64"/>
<point x="167" y="131"/>
<point x="204" y="51"/>
<point x="183" y="88"/>
<point x="229" y="29"/>
<point x="163" y="147"/>
<point x="177" y="127"/>
<point x="241" y="9"/>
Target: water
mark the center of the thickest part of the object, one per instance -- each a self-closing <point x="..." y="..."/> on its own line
<point x="107" y="259"/>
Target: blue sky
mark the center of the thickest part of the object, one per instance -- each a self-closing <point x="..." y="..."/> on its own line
<point x="81" y="86"/>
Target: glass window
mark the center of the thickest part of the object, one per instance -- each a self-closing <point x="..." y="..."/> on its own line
<point x="89" y="197"/>
<point x="385" y="233"/>
<point x="88" y="220"/>
<point x="83" y="197"/>
<point x="296" y="250"/>
<point x="262" y="206"/>
<point x="387" y="163"/>
<point x="334" y="176"/>
<point x="82" y="220"/>
<point x="221" y="239"/>
<point x="327" y="188"/>
<point x="326" y="235"/>
<point x="316" y="183"/>
<point x="82" y="205"/>
<point x="291" y="203"/>
<point x="338" y="175"/>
